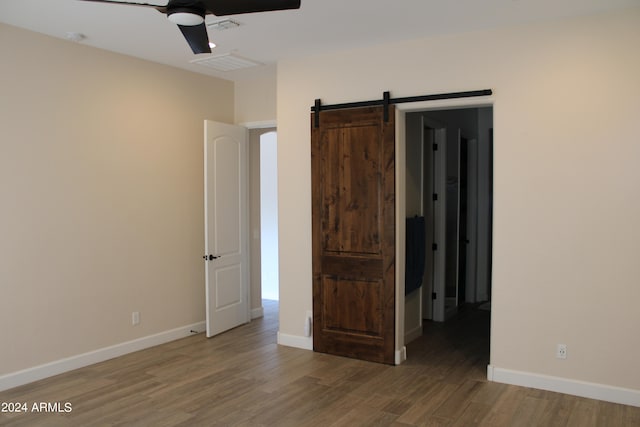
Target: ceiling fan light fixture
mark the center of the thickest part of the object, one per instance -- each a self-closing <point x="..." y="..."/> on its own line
<point x="187" y="18"/>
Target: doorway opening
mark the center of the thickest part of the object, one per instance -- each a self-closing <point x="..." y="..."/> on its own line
<point x="263" y="222"/>
<point x="449" y="183"/>
<point x="269" y="215"/>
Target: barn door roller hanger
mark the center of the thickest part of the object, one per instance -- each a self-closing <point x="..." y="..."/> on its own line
<point x="387" y="100"/>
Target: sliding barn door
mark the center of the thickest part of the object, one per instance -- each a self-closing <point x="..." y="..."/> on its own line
<point x="353" y="215"/>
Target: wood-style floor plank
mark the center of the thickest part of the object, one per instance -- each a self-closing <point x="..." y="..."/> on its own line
<point x="243" y="378"/>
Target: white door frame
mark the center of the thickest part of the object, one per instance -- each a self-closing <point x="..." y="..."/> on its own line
<point x="439" y="221"/>
<point x="260" y="127"/>
<point x="472" y="221"/>
<point x="401" y="144"/>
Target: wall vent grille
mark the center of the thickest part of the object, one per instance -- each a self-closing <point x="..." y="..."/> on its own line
<point x="225" y="24"/>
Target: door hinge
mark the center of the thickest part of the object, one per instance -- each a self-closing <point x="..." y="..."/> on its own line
<point x="434" y="246"/>
<point x="435" y="196"/>
<point x="434" y="295"/>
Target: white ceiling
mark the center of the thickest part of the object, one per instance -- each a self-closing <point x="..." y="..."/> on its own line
<point x="319" y="26"/>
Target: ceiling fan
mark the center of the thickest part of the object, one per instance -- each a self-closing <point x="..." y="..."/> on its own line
<point x="189" y="14"/>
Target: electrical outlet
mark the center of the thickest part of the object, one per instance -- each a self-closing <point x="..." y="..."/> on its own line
<point x="561" y="351"/>
<point x="135" y="318"/>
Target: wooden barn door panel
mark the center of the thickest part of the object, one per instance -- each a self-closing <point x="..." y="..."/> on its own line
<point x="353" y="215"/>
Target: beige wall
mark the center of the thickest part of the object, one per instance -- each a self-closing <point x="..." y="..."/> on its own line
<point x="255" y="98"/>
<point x="102" y="196"/>
<point x="566" y="238"/>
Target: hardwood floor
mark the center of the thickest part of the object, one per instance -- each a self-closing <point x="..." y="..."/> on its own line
<point x="242" y="378"/>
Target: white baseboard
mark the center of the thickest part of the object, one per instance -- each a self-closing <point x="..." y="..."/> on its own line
<point x="47" y="370"/>
<point x="589" y="390"/>
<point x="257" y="313"/>
<point x="297" y="341"/>
<point x="400" y="355"/>
<point x="413" y="334"/>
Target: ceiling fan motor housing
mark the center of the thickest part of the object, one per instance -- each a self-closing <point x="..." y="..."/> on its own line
<point x="187" y="16"/>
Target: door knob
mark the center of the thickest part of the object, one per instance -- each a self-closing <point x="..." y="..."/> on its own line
<point x="211" y="257"/>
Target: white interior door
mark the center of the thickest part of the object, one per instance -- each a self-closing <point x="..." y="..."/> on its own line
<point x="452" y="222"/>
<point x="226" y="226"/>
<point x="439" y="222"/>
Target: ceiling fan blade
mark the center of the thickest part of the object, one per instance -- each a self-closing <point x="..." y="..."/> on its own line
<point x="235" y="7"/>
<point x="197" y="37"/>
<point x="162" y="9"/>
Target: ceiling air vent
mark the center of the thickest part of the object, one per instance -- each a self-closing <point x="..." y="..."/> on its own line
<point x="226" y="62"/>
<point x="225" y="24"/>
